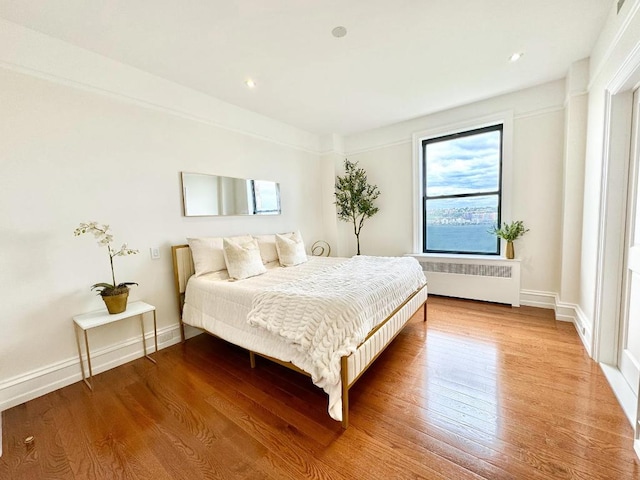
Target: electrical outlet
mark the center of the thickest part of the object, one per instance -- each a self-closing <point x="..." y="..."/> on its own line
<point x="165" y="337"/>
<point x="155" y="253"/>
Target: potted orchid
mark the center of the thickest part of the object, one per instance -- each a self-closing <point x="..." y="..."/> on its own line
<point x="114" y="294"/>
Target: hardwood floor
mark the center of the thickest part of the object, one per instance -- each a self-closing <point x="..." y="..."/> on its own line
<point x="479" y="391"/>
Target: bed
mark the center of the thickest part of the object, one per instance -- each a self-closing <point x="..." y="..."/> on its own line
<point x="252" y="313"/>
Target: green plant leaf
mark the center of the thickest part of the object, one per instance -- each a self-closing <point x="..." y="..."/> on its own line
<point x="509" y="231"/>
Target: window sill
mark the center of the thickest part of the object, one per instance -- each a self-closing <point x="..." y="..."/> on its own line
<point x="463" y="256"/>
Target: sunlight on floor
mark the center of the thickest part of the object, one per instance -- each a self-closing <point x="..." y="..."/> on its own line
<point x="462" y="385"/>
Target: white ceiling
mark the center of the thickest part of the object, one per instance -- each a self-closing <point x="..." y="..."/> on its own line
<point x="400" y="59"/>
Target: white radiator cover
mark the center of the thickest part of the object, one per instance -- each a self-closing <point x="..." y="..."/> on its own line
<point x="478" y="278"/>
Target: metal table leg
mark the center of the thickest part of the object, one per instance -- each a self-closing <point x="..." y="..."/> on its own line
<point x="155" y="336"/>
<point x="87" y="381"/>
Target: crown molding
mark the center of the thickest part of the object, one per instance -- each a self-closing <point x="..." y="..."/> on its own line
<point x="32" y="53"/>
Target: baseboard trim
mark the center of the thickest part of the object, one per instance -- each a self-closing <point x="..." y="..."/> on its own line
<point x="583" y="326"/>
<point x="621" y="390"/>
<point x="536" y="298"/>
<point x="41" y="381"/>
<point x="564" y="312"/>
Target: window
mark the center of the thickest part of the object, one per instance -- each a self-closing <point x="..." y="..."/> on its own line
<point x="266" y="197"/>
<point x="462" y="185"/>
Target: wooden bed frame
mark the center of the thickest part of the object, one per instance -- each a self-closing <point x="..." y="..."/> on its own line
<point x="352" y="366"/>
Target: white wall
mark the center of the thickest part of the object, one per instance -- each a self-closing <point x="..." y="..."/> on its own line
<point x="71" y="155"/>
<point x="538" y="137"/>
<point x="389" y="232"/>
<point x="576" y="104"/>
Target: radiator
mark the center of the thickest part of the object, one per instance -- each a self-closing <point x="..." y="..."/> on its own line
<point x="492" y="280"/>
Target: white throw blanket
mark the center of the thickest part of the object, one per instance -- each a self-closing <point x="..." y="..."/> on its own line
<point x="327" y="315"/>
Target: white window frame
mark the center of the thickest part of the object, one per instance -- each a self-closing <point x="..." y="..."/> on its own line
<point x="506" y="119"/>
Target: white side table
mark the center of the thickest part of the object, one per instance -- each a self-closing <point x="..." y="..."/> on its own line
<point x="87" y="321"/>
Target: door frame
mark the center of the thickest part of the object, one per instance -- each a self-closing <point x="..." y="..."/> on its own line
<point x="613" y="216"/>
<point x="628" y="365"/>
<point x="612" y="221"/>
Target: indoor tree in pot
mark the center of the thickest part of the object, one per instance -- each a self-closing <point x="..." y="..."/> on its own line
<point x="114" y="294"/>
<point x="355" y="197"/>
<point x="510" y="232"/>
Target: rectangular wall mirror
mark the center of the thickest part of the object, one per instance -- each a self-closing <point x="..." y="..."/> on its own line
<point x="210" y="195"/>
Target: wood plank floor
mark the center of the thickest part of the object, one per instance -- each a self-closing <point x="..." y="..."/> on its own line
<point x="480" y="391"/>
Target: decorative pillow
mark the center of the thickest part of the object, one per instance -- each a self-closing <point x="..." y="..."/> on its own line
<point x="243" y="259"/>
<point x="290" y="249"/>
<point x="208" y="255"/>
<point x="267" y="245"/>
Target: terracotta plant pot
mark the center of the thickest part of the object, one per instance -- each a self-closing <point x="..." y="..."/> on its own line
<point x="116" y="303"/>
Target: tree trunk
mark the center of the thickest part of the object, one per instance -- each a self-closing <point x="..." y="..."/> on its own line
<point x="358" y="242"/>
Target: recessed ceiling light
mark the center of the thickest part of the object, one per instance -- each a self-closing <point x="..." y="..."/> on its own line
<point x="516" y="56"/>
<point x="339" y="32"/>
<point x="250" y="83"/>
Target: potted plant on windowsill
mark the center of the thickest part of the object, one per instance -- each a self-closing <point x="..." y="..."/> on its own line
<point x="114" y="294"/>
<point x="510" y="232"/>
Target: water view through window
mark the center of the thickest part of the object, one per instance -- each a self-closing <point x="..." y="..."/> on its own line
<point x="462" y="191"/>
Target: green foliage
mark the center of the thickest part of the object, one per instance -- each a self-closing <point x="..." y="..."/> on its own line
<point x="355" y="197"/>
<point x="108" y="290"/>
<point x="510" y="231"/>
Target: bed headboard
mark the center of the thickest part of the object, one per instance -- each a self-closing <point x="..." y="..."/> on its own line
<point x="182" y="269"/>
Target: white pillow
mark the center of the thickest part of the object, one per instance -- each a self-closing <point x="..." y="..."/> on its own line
<point x="290" y="249"/>
<point x="208" y="255"/>
<point x="243" y="259"/>
<point x="267" y="245"/>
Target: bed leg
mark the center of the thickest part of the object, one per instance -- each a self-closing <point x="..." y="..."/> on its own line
<point x="252" y="359"/>
<point x="344" y="370"/>
<point x="182" y="339"/>
<point x="424" y="306"/>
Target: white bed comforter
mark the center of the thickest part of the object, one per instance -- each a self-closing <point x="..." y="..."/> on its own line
<point x="327" y="315"/>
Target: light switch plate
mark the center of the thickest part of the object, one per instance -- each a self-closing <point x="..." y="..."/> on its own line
<point x="155" y="253"/>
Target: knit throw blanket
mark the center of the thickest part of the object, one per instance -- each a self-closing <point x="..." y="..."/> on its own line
<point x="328" y="314"/>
